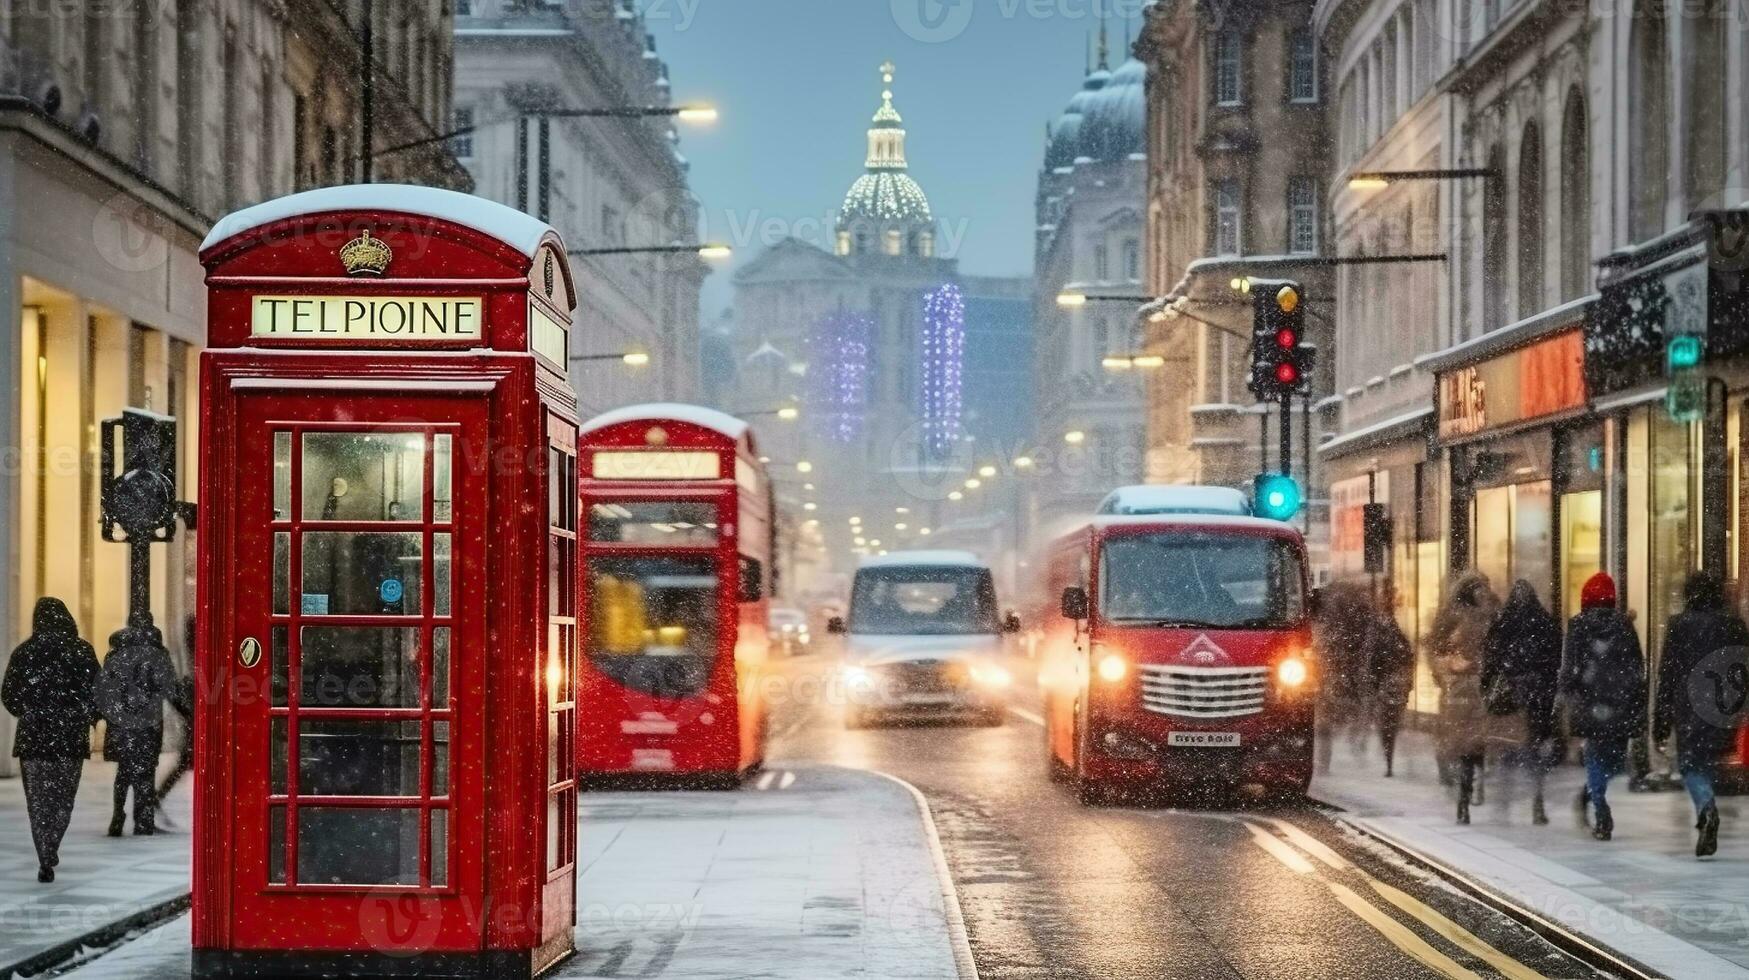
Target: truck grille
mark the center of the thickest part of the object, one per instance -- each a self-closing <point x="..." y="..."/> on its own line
<point x="1203" y="692"/>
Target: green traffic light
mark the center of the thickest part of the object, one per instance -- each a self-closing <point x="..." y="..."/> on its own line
<point x="1683" y="351"/>
<point x="1275" y="496"/>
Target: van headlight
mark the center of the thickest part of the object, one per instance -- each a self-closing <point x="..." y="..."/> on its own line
<point x="991" y="675"/>
<point x="858" y="678"/>
<point x="1111" y="667"/>
<point x="1292" y="672"/>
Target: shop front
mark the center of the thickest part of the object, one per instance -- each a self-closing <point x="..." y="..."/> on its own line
<point x="1525" y="459"/>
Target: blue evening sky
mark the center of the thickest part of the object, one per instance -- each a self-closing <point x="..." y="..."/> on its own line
<point x="797" y="80"/>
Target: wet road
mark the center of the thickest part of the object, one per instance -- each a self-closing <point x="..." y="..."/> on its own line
<point x="1052" y="889"/>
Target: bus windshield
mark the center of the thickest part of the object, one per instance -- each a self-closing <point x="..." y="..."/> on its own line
<point x="1201" y="580"/>
<point x="653" y="622"/>
<point x="923" y="600"/>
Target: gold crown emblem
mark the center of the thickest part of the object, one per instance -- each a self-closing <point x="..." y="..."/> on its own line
<point x="365" y="256"/>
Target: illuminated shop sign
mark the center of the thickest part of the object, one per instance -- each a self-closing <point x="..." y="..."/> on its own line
<point x="1545" y="378"/>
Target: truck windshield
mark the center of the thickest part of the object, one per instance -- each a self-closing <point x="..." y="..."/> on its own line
<point x="1196" y="579"/>
<point x="920" y="600"/>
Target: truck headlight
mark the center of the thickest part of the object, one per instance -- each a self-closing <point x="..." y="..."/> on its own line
<point x="858" y="679"/>
<point x="1292" y="672"/>
<point x="991" y="675"/>
<point x="1111" y="668"/>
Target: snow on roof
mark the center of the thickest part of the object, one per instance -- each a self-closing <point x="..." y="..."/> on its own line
<point x="923" y="558"/>
<point x="1196" y="521"/>
<point x="1156" y="499"/>
<point x="707" y="418"/>
<point x="508" y="225"/>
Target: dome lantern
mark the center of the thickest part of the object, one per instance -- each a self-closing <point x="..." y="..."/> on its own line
<point x="885" y="210"/>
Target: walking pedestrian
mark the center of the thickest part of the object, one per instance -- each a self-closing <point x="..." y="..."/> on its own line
<point x="1603" y="684"/>
<point x="1705" y="646"/>
<point x="50" y="687"/>
<point x="1521" y="668"/>
<point x="1390" y="669"/>
<point x="137" y="680"/>
<point x="1339" y="633"/>
<point x="1460" y="630"/>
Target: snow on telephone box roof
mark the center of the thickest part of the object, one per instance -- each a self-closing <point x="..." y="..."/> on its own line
<point x="1156" y="499"/>
<point x="510" y="226"/>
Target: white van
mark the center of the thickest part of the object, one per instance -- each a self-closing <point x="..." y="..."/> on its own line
<point x="924" y="639"/>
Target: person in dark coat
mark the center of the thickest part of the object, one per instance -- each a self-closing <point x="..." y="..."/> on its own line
<point x="50" y="687"/>
<point x="1390" y="670"/>
<point x="1704" y="663"/>
<point x="138" y="678"/>
<point x="1339" y="631"/>
<point x="1460" y="630"/>
<point x="1521" y="660"/>
<point x="1603" y="684"/>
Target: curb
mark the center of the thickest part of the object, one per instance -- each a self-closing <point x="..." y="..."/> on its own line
<point x="950" y="898"/>
<point x="1574" y="944"/>
<point x="109" y="934"/>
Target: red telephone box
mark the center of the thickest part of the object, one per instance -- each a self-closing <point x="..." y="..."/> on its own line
<point x="387" y="593"/>
<point x="677" y="560"/>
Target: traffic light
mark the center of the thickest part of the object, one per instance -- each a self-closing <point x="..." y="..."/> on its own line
<point x="1281" y="360"/>
<point x="140" y="500"/>
<point x="1275" y="496"/>
<point x="1685" y="398"/>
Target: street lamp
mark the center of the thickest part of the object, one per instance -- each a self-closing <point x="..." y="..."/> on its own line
<point x="986" y="471"/>
<point x="1124" y="362"/>
<point x="1072" y="299"/>
<point x="1075" y="437"/>
<point x="707" y="250"/>
<point x="1023" y="462"/>
<point x="788" y="413"/>
<point x="631" y="358"/>
<point x="1375" y="179"/>
<point x="685" y="113"/>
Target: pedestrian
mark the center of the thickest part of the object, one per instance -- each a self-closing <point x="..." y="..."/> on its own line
<point x="1521" y="668"/>
<point x="1390" y="669"/>
<point x="1339" y="632"/>
<point x="1603" y="684"/>
<point x="1460" y="631"/>
<point x="137" y="680"/>
<point x="183" y="702"/>
<point x="50" y="687"/>
<point x="1705" y="648"/>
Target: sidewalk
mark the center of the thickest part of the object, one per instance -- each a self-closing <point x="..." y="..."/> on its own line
<point x="808" y="872"/>
<point x="1644" y="894"/>
<point x="101" y="880"/>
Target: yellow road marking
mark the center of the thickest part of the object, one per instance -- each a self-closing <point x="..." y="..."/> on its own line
<point x="1311" y="845"/>
<point x="1400" y="935"/>
<point x="1025" y="715"/>
<point x="1281" y="852"/>
<point x="1458" y="935"/>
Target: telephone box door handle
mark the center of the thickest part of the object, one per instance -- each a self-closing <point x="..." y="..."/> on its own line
<point x="249" y="652"/>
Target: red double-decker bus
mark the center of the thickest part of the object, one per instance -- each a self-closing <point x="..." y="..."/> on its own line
<point x="676" y="569"/>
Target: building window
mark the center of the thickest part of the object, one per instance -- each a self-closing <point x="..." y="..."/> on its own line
<point x="1494" y="252"/>
<point x="1302" y="216"/>
<point x="1302" y="66"/>
<point x="1648" y="107"/>
<point x="1575" y="199"/>
<point x="893" y="242"/>
<point x="1101" y="266"/>
<point x="1530" y="221"/>
<point x="1226" y="224"/>
<point x="1132" y="260"/>
<point x="463" y="142"/>
<point x="1227" y="68"/>
<point x="1705" y="116"/>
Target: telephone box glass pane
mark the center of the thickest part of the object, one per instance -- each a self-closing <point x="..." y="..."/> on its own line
<point x="281" y="666"/>
<point x="364" y="476"/>
<point x="439" y="848"/>
<point x="359" y="667"/>
<point x="440" y="758"/>
<point x="362" y="573"/>
<point x="358" y="758"/>
<point x="440" y="478"/>
<point x="358" y="846"/>
<point x="281" y="573"/>
<point x="657" y="523"/>
<point x="440" y="575"/>
<point x="440" y="668"/>
<point x="282" y="476"/>
<point x="654" y="622"/>
<point x="277" y="754"/>
<point x="276" y="845"/>
<point x="555" y="831"/>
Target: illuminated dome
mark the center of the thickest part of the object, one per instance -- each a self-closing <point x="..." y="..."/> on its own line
<point x="885" y="209"/>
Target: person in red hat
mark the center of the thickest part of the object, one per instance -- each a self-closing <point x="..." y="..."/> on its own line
<point x="1603" y="684"/>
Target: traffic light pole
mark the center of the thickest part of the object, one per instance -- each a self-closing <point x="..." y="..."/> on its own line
<point x="1287" y="433"/>
<point x="139" y="582"/>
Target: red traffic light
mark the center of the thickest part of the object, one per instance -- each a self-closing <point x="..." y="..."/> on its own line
<point x="1285" y="338"/>
<point x="1286" y="373"/>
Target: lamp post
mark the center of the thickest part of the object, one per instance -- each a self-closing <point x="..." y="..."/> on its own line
<point x="685" y="113"/>
<point x="1375" y="179"/>
<point x="704" y="250"/>
<point x="631" y="358"/>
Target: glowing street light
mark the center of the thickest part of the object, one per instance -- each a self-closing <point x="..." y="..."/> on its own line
<point x="700" y="114"/>
<point x="1023" y="462"/>
<point x="956" y="495"/>
<point x="986" y="471"/>
<point x="1071" y="300"/>
<point x="1075" y="437"/>
<point x="973" y="483"/>
<point x="804" y="467"/>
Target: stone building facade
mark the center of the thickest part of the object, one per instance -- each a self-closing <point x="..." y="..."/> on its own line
<point x="602" y="182"/>
<point x="126" y="129"/>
